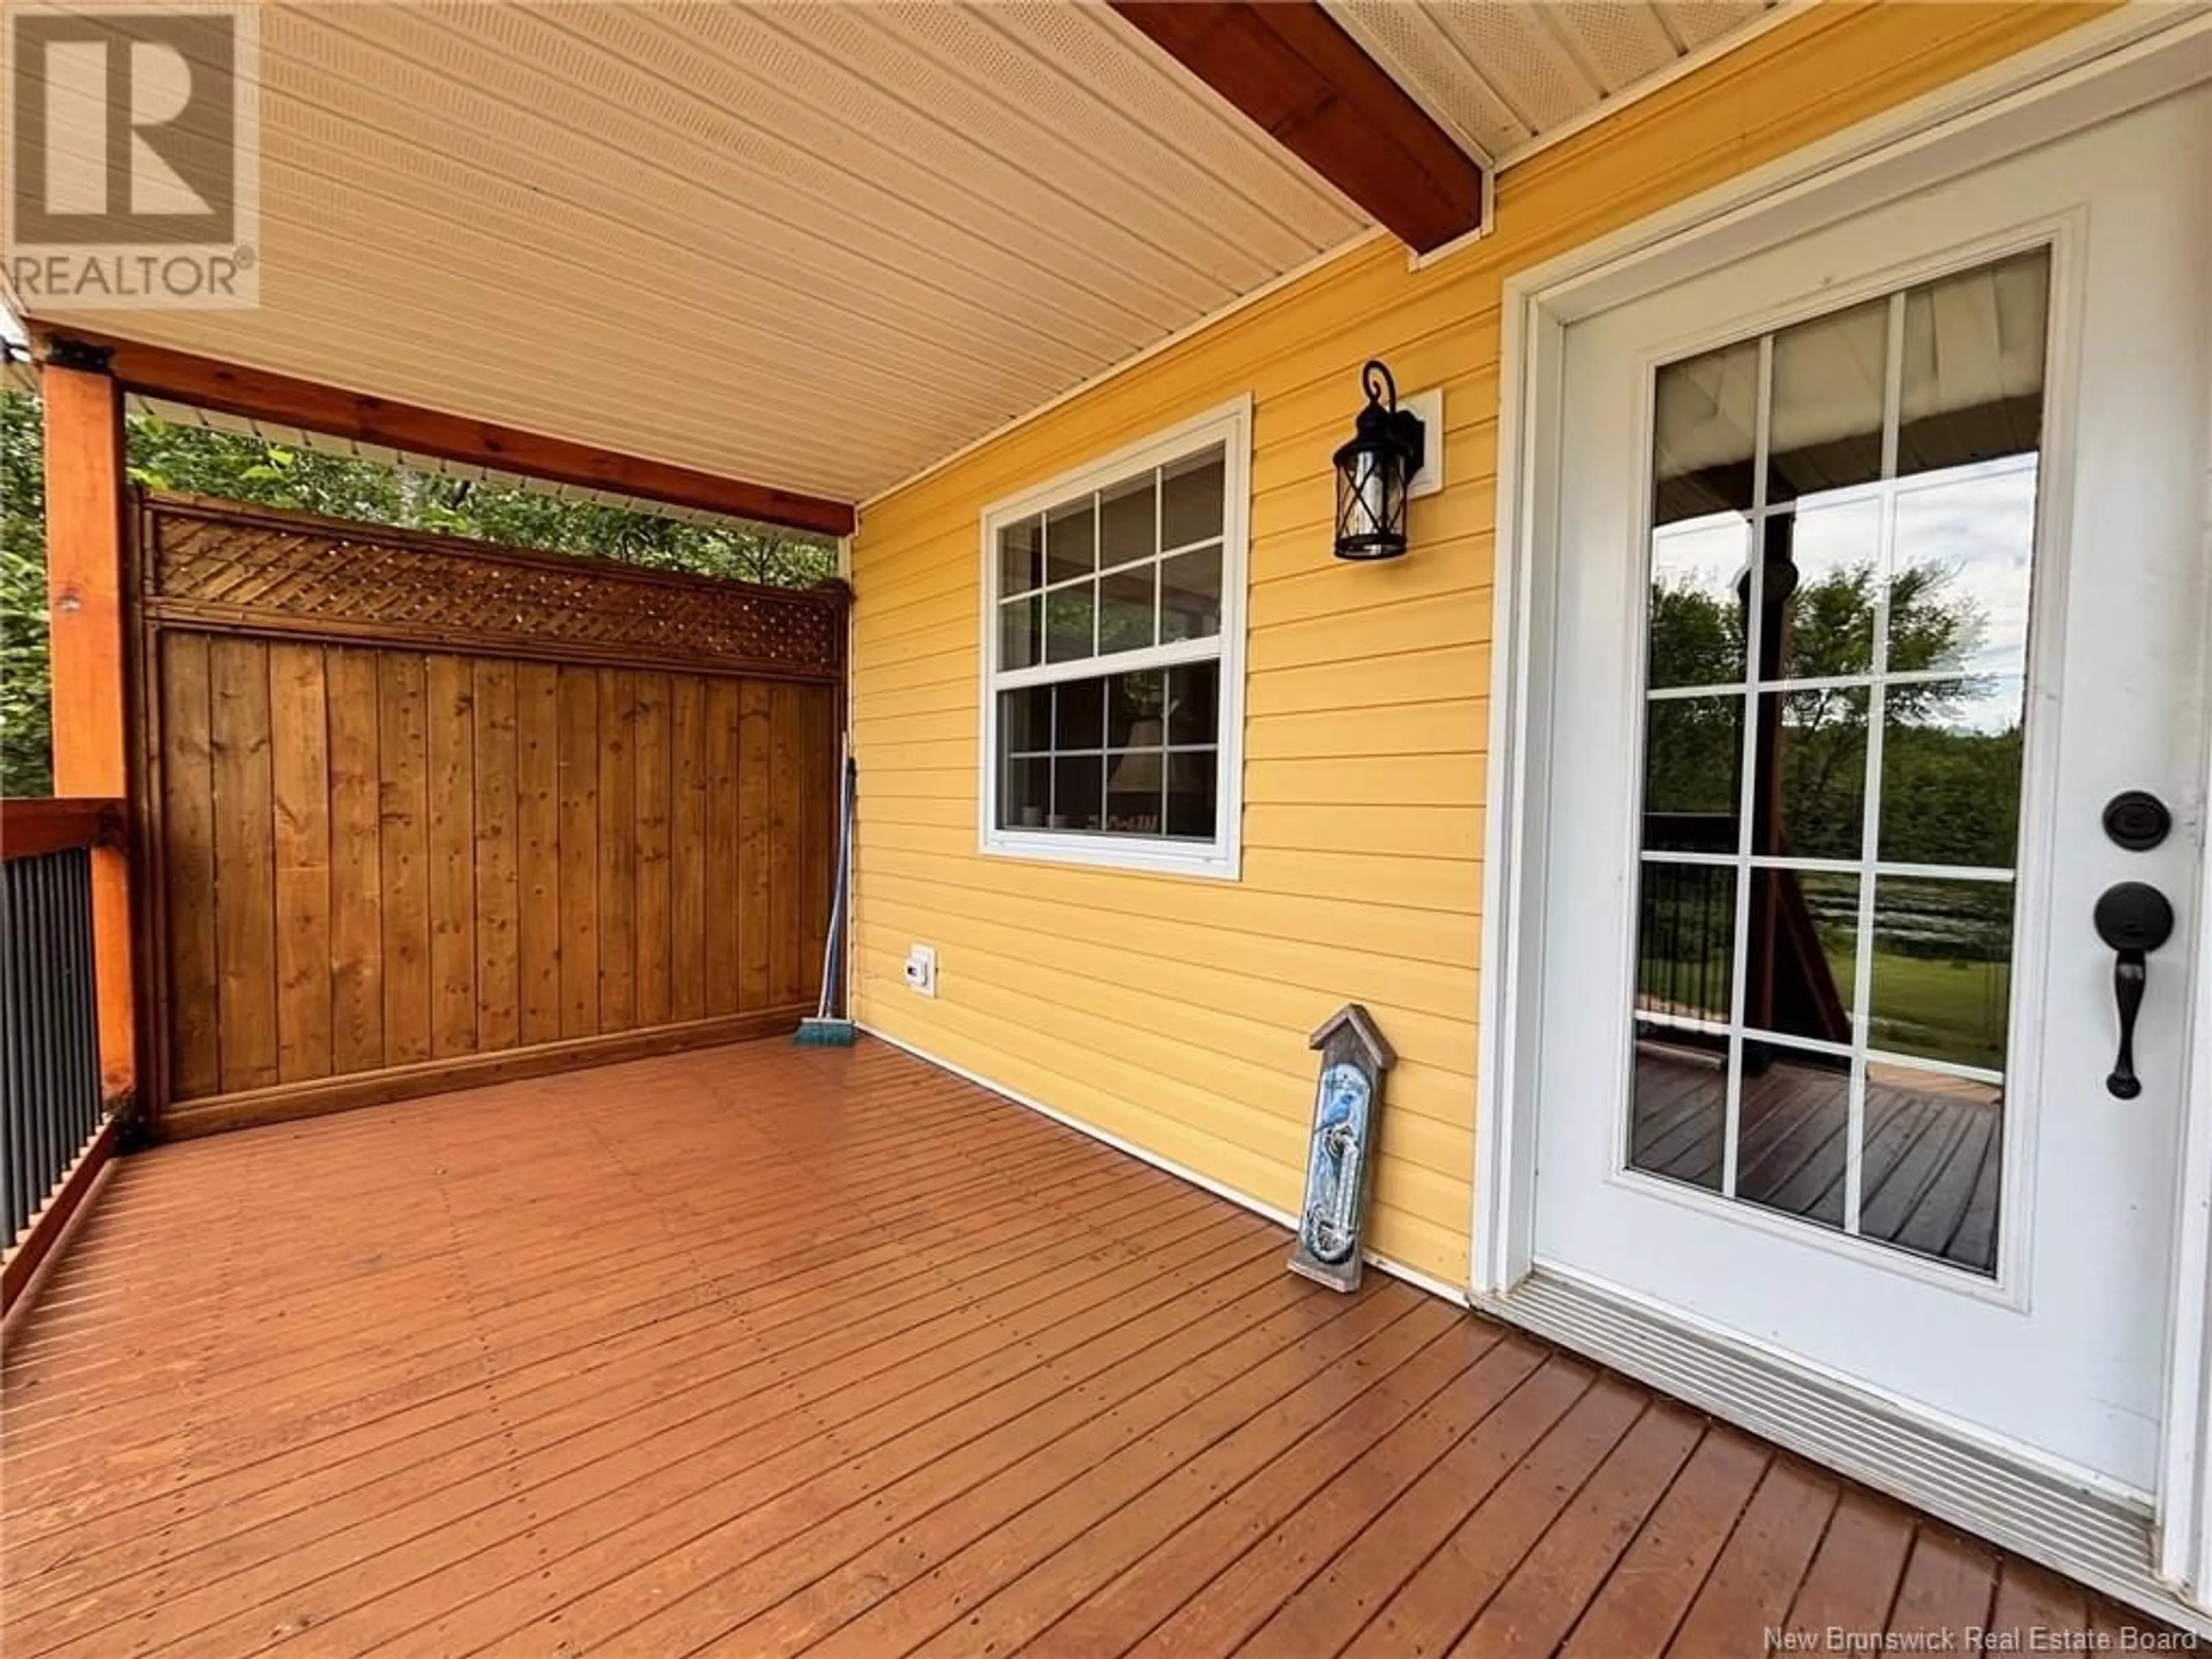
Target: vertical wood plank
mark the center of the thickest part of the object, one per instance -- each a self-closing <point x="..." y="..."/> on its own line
<point x="538" y="820"/>
<point x="756" y="836"/>
<point x="807" y="772"/>
<point x="654" y="776"/>
<point x="579" y="767"/>
<point x="497" y="893"/>
<point x="617" y="849"/>
<point x="723" y="837"/>
<point x="687" y="847"/>
<point x="786" y="808"/>
<point x="187" y="784"/>
<point x="356" y="861"/>
<point x="299" y="732"/>
<point x="86" y="502"/>
<point x="245" y="912"/>
<point x="817" y="835"/>
<point x="403" y="835"/>
<point x="450" y="693"/>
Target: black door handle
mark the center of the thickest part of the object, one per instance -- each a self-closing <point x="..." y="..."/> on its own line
<point x="2133" y="919"/>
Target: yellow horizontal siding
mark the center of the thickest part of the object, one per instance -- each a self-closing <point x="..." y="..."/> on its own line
<point x="1172" y="1012"/>
<point x="1223" y="1051"/>
<point x="1426" y="944"/>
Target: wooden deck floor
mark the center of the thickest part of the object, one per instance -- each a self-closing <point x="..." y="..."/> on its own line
<point x="761" y="1351"/>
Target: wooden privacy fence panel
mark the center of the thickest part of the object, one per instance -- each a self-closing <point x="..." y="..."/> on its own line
<point x="402" y="845"/>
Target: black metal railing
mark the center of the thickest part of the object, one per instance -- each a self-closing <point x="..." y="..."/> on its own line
<point x="1685" y="940"/>
<point x="1685" y="918"/>
<point x="50" y="1109"/>
<point x="1686" y="936"/>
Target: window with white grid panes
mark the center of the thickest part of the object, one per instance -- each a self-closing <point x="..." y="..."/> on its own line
<point x="1114" y="645"/>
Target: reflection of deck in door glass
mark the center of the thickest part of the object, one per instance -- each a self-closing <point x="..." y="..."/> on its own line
<point x="1845" y="515"/>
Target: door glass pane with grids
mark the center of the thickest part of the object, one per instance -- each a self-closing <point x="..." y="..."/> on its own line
<point x="1843" y="520"/>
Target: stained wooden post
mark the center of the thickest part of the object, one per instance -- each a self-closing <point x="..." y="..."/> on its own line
<point x="85" y="490"/>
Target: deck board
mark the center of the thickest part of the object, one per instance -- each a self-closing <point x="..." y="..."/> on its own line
<point x="765" y="1351"/>
<point x="1756" y="1576"/>
<point x="1852" y="1581"/>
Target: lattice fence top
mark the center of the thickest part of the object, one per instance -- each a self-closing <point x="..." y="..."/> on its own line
<point x="215" y="563"/>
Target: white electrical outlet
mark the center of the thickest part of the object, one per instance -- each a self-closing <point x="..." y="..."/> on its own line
<point x="921" y="969"/>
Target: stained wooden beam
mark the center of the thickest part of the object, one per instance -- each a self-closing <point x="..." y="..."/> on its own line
<point x="33" y="824"/>
<point x="183" y="377"/>
<point x="1290" y="67"/>
<point x="85" y="490"/>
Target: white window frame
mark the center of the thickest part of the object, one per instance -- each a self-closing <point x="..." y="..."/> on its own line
<point x="1221" y="859"/>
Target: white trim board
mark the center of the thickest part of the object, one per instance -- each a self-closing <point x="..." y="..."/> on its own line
<point x="2129" y="59"/>
<point x="1283" y="1219"/>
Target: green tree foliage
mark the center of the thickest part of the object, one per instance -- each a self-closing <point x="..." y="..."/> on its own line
<point x="239" y="468"/>
<point x="242" y="468"/>
<point x="25" y="758"/>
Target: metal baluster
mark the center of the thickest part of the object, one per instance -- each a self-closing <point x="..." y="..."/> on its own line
<point x="17" y="1078"/>
<point x="49" y="1023"/>
<point x="70" y="929"/>
<point x="38" y="982"/>
<point x="47" y="943"/>
<point x="85" y="1009"/>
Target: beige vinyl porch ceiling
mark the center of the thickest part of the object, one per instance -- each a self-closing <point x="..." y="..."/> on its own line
<point x="1505" y="76"/>
<point x="814" y="246"/>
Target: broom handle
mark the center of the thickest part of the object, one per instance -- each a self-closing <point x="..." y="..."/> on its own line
<point x="829" y="946"/>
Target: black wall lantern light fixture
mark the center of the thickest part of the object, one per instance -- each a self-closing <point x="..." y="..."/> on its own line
<point x="1375" y="471"/>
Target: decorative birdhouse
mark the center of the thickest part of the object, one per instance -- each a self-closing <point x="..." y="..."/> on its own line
<point x="1348" y="1106"/>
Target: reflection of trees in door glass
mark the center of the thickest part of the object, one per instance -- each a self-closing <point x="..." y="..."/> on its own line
<point x="1813" y="799"/>
<point x="1692" y="747"/>
<point x="1696" y="639"/>
<point x="1951" y="772"/>
<point x="1697" y="602"/>
<point x="1936" y="622"/>
<point x="1951" y="763"/>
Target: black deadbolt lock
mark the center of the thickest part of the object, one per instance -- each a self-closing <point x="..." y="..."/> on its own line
<point x="2137" y="820"/>
<point x="2133" y="919"/>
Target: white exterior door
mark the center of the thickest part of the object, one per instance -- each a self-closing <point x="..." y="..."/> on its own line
<point x="1881" y="570"/>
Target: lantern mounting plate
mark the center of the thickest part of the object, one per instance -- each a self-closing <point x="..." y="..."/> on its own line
<point x="1428" y="408"/>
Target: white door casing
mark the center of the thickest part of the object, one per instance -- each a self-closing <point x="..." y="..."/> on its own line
<point x="2061" y="1359"/>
